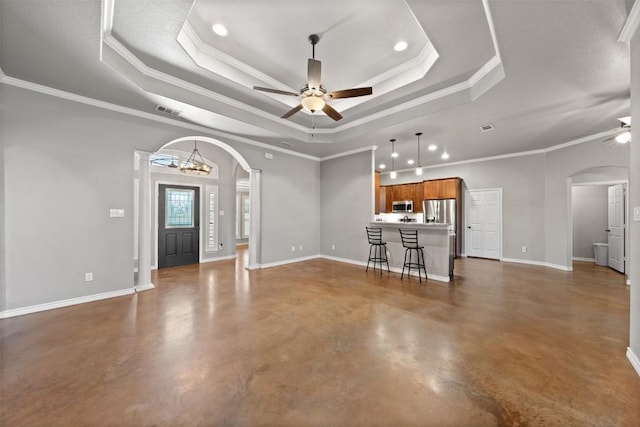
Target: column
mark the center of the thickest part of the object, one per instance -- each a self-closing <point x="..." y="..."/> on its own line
<point x="144" y="224"/>
<point x="255" y="233"/>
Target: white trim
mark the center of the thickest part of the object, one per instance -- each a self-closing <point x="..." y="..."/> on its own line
<point x="147" y="287"/>
<point x="594" y="183"/>
<point x="220" y="258"/>
<point x="288" y="261"/>
<point x="398" y="270"/>
<point x="350" y="152"/>
<point x="65" y="303"/>
<point x="537" y="263"/>
<point x="577" y="258"/>
<point x="635" y="360"/>
<point x="632" y="23"/>
<point x="34" y="87"/>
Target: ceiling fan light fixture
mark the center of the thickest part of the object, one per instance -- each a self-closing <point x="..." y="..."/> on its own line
<point x="313" y="103"/>
<point x="624" y="137"/>
<point x="220" y="29"/>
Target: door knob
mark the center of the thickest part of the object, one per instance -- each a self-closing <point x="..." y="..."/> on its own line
<point x="607" y="230"/>
<point x="469" y="227"/>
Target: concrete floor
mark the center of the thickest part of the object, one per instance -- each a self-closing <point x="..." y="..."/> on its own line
<point x="324" y="343"/>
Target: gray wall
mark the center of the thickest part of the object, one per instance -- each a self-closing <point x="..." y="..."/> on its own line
<point x="634" y="197"/>
<point x="535" y="192"/>
<point x="522" y="182"/>
<point x="80" y="166"/>
<point x="589" y="211"/>
<point x="346" y="205"/>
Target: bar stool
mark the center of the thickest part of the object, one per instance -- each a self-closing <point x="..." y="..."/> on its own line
<point x="377" y="248"/>
<point x="410" y="243"/>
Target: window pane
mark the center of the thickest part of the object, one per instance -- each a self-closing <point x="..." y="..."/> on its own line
<point x="179" y="208"/>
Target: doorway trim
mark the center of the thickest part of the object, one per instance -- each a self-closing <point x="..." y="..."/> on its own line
<point x="467" y="198"/>
<point x="627" y="211"/>
<point x="144" y="211"/>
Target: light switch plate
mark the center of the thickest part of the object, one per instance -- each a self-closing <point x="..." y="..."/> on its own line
<point x="636" y="213"/>
<point x="116" y="213"/>
<point x="221" y="213"/>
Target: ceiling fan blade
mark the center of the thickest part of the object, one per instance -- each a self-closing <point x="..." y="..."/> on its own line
<point x="313" y="72"/>
<point x="281" y="92"/>
<point x="292" y="111"/>
<point x="350" y="93"/>
<point x="331" y="112"/>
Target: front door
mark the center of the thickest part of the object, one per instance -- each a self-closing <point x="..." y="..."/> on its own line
<point x="615" y="220"/>
<point x="178" y="225"/>
<point x="483" y="209"/>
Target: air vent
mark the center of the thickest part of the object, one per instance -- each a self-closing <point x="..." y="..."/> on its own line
<point x="168" y="110"/>
<point x="487" y="128"/>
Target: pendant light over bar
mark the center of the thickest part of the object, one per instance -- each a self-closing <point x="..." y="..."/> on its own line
<point x="393" y="174"/>
<point x="419" y="167"/>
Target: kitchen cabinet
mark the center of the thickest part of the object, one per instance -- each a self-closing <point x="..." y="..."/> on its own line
<point x="390" y="193"/>
<point x="447" y="188"/>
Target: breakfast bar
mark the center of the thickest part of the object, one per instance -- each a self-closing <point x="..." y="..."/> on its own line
<point x="437" y="239"/>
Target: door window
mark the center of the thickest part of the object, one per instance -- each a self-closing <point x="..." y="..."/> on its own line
<point x="179" y="208"/>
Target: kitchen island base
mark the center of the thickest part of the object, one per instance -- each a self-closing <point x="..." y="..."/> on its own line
<point x="438" y="247"/>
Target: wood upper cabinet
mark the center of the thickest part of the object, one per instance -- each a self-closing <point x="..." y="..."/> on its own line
<point x="448" y="188"/>
<point x="392" y="193"/>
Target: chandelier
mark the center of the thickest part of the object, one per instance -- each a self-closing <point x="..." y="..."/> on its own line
<point x="195" y="164"/>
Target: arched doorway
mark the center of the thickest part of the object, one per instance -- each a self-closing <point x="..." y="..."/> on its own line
<point x="144" y="227"/>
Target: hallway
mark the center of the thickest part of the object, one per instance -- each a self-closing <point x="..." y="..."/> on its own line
<point x="324" y="343"/>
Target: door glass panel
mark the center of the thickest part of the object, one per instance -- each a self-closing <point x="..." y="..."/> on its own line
<point x="179" y="208"/>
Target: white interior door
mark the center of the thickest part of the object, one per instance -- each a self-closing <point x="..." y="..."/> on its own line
<point x="483" y="223"/>
<point x="616" y="227"/>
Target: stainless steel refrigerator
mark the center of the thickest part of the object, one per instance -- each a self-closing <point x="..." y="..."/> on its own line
<point x="440" y="212"/>
<point x="444" y="212"/>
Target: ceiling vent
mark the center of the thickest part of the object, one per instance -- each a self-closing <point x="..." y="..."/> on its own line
<point x="168" y="110"/>
<point x="487" y="128"/>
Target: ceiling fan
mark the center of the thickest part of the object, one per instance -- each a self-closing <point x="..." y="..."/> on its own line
<point x="623" y="135"/>
<point x="313" y="94"/>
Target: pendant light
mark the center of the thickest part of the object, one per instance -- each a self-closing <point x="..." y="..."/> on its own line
<point x="195" y="164"/>
<point x="393" y="174"/>
<point x="419" y="167"/>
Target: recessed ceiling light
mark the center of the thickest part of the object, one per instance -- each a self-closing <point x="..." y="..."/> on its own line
<point x="433" y="147"/>
<point x="410" y="162"/>
<point x="220" y="29"/>
<point x="382" y="166"/>
<point x="445" y="156"/>
<point x="400" y="46"/>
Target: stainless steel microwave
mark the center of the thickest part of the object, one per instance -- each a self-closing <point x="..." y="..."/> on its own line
<point x="402" y="206"/>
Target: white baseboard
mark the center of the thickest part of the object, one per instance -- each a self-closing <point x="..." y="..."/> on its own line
<point x="64" y="303"/>
<point x="635" y="361"/>
<point x="288" y="261"/>
<point x="538" y="263"/>
<point x="220" y="258"/>
<point x="147" y="287"/>
<point x="577" y="258"/>
<point x="393" y="269"/>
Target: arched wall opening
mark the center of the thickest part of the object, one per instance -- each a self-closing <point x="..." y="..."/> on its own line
<point x="145" y="227"/>
<point x="588" y="213"/>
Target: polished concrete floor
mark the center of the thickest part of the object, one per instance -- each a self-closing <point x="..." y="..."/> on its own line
<point x="322" y="343"/>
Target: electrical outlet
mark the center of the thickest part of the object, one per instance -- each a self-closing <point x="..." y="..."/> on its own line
<point x="333" y="247"/>
<point x="293" y="248"/>
<point x="300" y="248"/>
<point x="88" y="277"/>
<point x="524" y="249"/>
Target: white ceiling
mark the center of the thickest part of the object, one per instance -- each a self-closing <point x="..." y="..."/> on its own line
<point x="542" y="72"/>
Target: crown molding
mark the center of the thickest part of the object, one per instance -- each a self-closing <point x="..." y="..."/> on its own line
<point x="350" y="152"/>
<point x="631" y="24"/>
<point x="487" y="76"/>
<point x="46" y="90"/>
